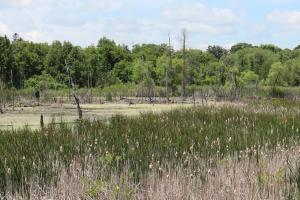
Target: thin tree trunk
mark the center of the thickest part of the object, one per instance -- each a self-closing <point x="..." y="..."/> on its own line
<point x="183" y="81"/>
<point x="42" y="121"/>
<point x="91" y="87"/>
<point x="69" y="87"/>
<point x="13" y="89"/>
<point x="169" y="67"/>
<point x="77" y="101"/>
<point x="1" y="108"/>
<point x="234" y="89"/>
<point x="78" y="105"/>
<point x="194" y="98"/>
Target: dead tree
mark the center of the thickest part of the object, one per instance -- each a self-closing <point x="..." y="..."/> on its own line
<point x="71" y="83"/>
<point x="78" y="106"/>
<point x="183" y="79"/>
<point x="194" y="98"/>
<point x="169" y="67"/>
<point x="13" y="90"/>
<point x="2" y="96"/>
<point x="77" y="101"/>
<point x="42" y="121"/>
<point x="1" y="108"/>
<point x="204" y="95"/>
<point x="234" y="89"/>
<point x="38" y="96"/>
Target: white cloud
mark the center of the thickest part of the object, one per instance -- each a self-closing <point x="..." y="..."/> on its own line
<point x="285" y="19"/>
<point x="3" y="29"/>
<point x="21" y="3"/>
<point x="202" y="19"/>
<point x="104" y="5"/>
<point x="201" y="14"/>
<point x="69" y="5"/>
<point x="126" y="21"/>
<point x="34" y="36"/>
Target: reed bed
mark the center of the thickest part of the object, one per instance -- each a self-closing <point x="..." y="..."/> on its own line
<point x="274" y="176"/>
<point x="139" y="157"/>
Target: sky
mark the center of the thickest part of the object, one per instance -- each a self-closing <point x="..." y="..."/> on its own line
<point x="129" y="22"/>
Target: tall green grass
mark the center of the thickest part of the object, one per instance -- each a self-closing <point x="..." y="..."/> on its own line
<point x="138" y="143"/>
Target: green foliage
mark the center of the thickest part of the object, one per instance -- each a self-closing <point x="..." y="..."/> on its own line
<point x="217" y="51"/>
<point x="109" y="63"/>
<point x="141" y="70"/>
<point x="239" y="46"/>
<point x="55" y="61"/>
<point x="120" y="89"/>
<point x="271" y="47"/>
<point x="278" y="75"/>
<point x="5" y="60"/>
<point x="248" y="78"/>
<point x="43" y="82"/>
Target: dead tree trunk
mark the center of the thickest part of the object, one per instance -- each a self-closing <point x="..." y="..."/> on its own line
<point x="13" y="90"/>
<point x="78" y="105"/>
<point x="42" y="121"/>
<point x="194" y="98"/>
<point x="169" y="67"/>
<point x="13" y="99"/>
<point x="1" y="108"/>
<point x="234" y="89"/>
<point x="77" y="101"/>
<point x="183" y="81"/>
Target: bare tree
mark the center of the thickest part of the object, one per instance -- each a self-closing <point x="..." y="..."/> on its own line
<point x="90" y="86"/>
<point x="2" y="95"/>
<point x="69" y="81"/>
<point x="169" y="66"/>
<point x="42" y="121"/>
<point x="234" y="88"/>
<point x="13" y="89"/>
<point x="77" y="101"/>
<point x="183" y="80"/>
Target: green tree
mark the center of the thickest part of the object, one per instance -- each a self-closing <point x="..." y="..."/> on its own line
<point x="55" y="62"/>
<point x="211" y="73"/>
<point x="293" y="71"/>
<point x="248" y="78"/>
<point x="27" y="60"/>
<point x="270" y="47"/>
<point x="76" y="63"/>
<point x="217" y="51"/>
<point x="109" y="54"/>
<point x="278" y="75"/>
<point x="123" y="71"/>
<point x="5" y="60"/>
<point x="240" y="46"/>
<point x="197" y="58"/>
<point x="142" y="75"/>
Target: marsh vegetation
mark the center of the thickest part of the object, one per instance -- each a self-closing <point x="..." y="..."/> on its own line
<point x="244" y="151"/>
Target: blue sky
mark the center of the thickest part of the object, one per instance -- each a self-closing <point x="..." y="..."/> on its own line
<point x="129" y="22"/>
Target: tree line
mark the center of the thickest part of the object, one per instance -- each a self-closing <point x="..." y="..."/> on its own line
<point x="28" y="64"/>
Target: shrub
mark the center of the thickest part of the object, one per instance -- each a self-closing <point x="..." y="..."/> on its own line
<point x="43" y="82"/>
<point x="277" y="92"/>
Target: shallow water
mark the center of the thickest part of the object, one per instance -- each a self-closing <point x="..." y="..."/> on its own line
<point x="67" y="112"/>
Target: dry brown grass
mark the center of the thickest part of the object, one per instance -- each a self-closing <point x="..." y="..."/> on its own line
<point x="264" y="177"/>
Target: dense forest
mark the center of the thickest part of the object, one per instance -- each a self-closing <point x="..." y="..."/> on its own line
<point x="26" y="64"/>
